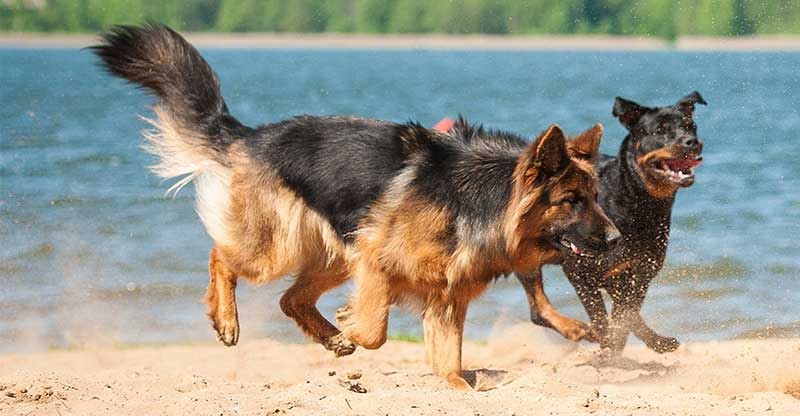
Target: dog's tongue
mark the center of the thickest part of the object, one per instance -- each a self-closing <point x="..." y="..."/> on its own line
<point x="575" y="249"/>
<point x="681" y="164"/>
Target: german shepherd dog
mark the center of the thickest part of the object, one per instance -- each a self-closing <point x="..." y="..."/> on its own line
<point x="636" y="189"/>
<point x="415" y="217"/>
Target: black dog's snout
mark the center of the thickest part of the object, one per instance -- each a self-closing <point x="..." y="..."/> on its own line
<point x="693" y="144"/>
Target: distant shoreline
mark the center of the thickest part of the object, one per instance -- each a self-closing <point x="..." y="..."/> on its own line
<point x="336" y="41"/>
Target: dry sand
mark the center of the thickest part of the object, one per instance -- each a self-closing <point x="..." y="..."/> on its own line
<point x="523" y="370"/>
<point x="426" y="42"/>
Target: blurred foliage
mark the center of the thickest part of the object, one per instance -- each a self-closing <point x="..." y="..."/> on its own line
<point x="661" y="18"/>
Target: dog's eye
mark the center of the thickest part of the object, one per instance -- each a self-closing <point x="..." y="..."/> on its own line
<point x="571" y="199"/>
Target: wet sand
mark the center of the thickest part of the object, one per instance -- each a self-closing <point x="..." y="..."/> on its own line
<point x="521" y="370"/>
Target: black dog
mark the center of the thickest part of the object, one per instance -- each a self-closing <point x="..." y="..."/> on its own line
<point x="636" y="190"/>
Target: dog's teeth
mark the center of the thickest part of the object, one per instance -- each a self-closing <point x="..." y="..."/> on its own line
<point x="574" y="248"/>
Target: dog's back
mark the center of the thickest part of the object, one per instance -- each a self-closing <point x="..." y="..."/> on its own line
<point x="338" y="165"/>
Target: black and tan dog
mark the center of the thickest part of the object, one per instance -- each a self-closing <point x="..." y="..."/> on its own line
<point x="416" y="218"/>
<point x="636" y="190"/>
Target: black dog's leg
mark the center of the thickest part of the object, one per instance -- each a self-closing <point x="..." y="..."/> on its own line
<point x="592" y="301"/>
<point x="626" y="317"/>
<point x="619" y="326"/>
<point x="655" y="342"/>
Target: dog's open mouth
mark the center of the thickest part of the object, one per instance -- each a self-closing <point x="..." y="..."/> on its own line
<point x="678" y="171"/>
<point x="575" y="249"/>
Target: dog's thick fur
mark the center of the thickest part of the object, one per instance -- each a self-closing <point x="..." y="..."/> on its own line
<point x="637" y="190"/>
<point x="415" y="217"/>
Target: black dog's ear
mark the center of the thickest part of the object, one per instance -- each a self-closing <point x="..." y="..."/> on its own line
<point x="628" y="112"/>
<point x="686" y="104"/>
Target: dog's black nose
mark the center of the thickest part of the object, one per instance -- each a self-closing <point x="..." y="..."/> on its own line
<point x="693" y="143"/>
<point x="613" y="237"/>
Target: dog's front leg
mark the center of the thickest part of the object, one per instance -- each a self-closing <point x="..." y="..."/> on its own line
<point x="444" y="331"/>
<point x="428" y="335"/>
<point x="624" y="317"/>
<point x="542" y="311"/>
<point x="364" y="321"/>
<point x="593" y="303"/>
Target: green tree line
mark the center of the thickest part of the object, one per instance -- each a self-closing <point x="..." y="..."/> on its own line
<point x="660" y="18"/>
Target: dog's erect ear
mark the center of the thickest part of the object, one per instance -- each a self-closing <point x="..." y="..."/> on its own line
<point x="545" y="157"/>
<point x="551" y="151"/>
<point x="686" y="104"/>
<point x="628" y="112"/>
<point x="586" y="146"/>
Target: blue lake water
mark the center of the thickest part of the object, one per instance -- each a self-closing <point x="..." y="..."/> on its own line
<point x="91" y="251"/>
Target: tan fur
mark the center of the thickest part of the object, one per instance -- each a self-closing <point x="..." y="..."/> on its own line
<point x="403" y="256"/>
<point x="221" y="299"/>
<point x="619" y="268"/>
<point x="262" y="231"/>
<point x="400" y="254"/>
<point x="656" y="187"/>
<point x="182" y="155"/>
<point x="570" y="328"/>
<point x="586" y="146"/>
<point x="274" y="234"/>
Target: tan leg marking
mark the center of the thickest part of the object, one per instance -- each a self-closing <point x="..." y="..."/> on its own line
<point x="300" y="304"/>
<point x="364" y="321"/>
<point x="221" y="299"/>
<point x="541" y="307"/>
<point x="445" y="324"/>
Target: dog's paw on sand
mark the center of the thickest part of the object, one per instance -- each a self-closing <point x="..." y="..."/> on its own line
<point x="227" y="330"/>
<point x="663" y="344"/>
<point x="574" y="330"/>
<point x="369" y="339"/>
<point x="339" y="344"/>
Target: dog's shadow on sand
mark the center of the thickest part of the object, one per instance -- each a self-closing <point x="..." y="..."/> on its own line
<point x="650" y="370"/>
<point x="484" y="379"/>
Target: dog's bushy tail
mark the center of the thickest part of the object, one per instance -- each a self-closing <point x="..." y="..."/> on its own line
<point x="193" y="125"/>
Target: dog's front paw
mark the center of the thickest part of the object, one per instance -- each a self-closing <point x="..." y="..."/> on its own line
<point x="227" y="330"/>
<point x="353" y="330"/>
<point x="663" y="344"/>
<point x="573" y="329"/>
<point x="457" y="382"/>
<point x="537" y="319"/>
<point x="339" y="344"/>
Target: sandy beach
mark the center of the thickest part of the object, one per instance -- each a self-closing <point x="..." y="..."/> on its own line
<point x="427" y="42"/>
<point x="522" y="370"/>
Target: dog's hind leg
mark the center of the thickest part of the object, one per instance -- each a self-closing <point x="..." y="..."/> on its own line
<point x="444" y="331"/>
<point x="221" y="299"/>
<point x="655" y="342"/>
<point x="299" y="303"/>
<point x="544" y="314"/>
<point x="365" y="319"/>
